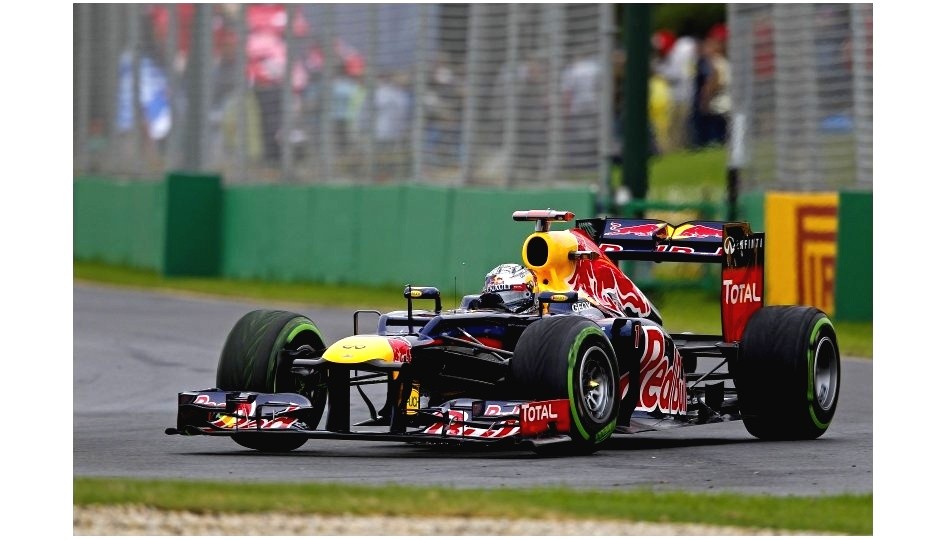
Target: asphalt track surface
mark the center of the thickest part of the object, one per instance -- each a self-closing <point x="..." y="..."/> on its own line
<point x="133" y="351"/>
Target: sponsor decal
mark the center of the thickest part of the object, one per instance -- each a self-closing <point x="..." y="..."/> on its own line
<point x="642" y="229"/>
<point x="817" y="250"/>
<point x="416" y="293"/>
<point x="661" y="248"/>
<point x="697" y="231"/>
<point x="663" y="386"/>
<point x="581" y="306"/>
<point x="610" y="247"/>
<point x="505" y="287"/>
<point x="739" y="293"/>
<point x="204" y="399"/>
<point x="243" y="419"/>
<point x="493" y="410"/>
<point x="455" y="426"/>
<point x="603" y="281"/>
<point x="742" y="291"/>
<point x="539" y="417"/>
<point x="413" y="402"/>
<point x="401" y="348"/>
<point x="742" y="296"/>
<point x="541" y="411"/>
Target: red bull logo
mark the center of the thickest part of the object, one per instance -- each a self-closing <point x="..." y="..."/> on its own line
<point x="603" y="281"/>
<point x="698" y="231"/>
<point x="401" y="349"/>
<point x="641" y="229"/>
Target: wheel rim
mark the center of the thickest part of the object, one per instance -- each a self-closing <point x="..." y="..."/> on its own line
<point x="597" y="382"/>
<point x="826" y="373"/>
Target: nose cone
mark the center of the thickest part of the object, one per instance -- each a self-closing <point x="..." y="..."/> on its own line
<point x="357" y="349"/>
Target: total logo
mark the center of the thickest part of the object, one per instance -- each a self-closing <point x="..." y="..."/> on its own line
<point x="741" y="293"/>
<point x="535" y="413"/>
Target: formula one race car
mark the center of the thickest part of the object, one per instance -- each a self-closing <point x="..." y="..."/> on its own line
<point x="590" y="359"/>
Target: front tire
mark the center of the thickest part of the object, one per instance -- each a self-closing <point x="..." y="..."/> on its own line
<point x="569" y="357"/>
<point x="250" y="361"/>
<point x="788" y="375"/>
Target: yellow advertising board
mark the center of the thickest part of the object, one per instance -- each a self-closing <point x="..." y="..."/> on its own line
<point x="801" y="248"/>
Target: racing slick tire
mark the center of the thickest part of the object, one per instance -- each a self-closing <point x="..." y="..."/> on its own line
<point x="250" y="361"/>
<point x="569" y="357"/>
<point x="788" y="374"/>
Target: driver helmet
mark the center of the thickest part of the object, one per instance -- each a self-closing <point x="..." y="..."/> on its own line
<point x="513" y="284"/>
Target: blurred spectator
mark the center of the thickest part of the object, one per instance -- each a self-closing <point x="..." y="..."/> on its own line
<point x="146" y="115"/>
<point x="712" y="102"/>
<point x="441" y="112"/>
<point x="581" y="81"/>
<point x="534" y="112"/>
<point x="660" y="99"/>
<point x="153" y="99"/>
<point x="225" y="104"/>
<point x="677" y="68"/>
<point x="392" y="104"/>
<point x="266" y="59"/>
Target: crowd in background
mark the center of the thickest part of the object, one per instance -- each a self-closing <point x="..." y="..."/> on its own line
<point x="331" y="99"/>
<point x="689" y="90"/>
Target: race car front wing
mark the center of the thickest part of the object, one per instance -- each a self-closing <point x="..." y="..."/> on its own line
<point x="462" y="421"/>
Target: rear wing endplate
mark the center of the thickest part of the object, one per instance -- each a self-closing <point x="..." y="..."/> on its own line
<point x="731" y="244"/>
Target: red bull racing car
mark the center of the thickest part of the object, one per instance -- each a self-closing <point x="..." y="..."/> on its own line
<point x="591" y="359"/>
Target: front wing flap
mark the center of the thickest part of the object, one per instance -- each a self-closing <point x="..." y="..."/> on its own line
<point x="461" y="421"/>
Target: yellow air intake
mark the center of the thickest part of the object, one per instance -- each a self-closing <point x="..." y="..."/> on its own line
<point x="546" y="254"/>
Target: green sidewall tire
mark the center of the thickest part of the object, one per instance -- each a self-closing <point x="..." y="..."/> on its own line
<point x="547" y="364"/>
<point x="250" y="362"/>
<point x="775" y="375"/>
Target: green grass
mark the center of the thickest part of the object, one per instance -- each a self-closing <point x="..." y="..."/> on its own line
<point x="381" y="298"/>
<point x="682" y="310"/>
<point x="848" y="514"/>
<point x="688" y="176"/>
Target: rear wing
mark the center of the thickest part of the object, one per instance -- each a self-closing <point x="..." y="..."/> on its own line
<point x="733" y="245"/>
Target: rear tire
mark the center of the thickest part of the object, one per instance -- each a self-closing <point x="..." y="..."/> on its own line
<point x="250" y="361"/>
<point x="569" y="357"/>
<point x="788" y="374"/>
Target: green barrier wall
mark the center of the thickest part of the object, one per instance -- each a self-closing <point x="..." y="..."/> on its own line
<point x="854" y="292"/>
<point x="751" y="208"/>
<point x="379" y="235"/>
<point x="120" y="223"/>
<point x="192" y="246"/>
<point x="366" y="235"/>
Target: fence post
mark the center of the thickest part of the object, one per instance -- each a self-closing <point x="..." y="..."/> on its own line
<point x="467" y="133"/>
<point x="371" y="85"/>
<point x="83" y="95"/>
<point x="285" y="101"/>
<point x="112" y="57"/>
<point x="138" y="121"/>
<point x="198" y="85"/>
<point x="606" y="32"/>
<point x="420" y="88"/>
<point x="863" y="95"/>
<point x="637" y="67"/>
<point x="240" y="85"/>
<point x="173" y="147"/>
<point x="511" y="114"/>
<point x="326" y="95"/>
<point x="555" y="30"/>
